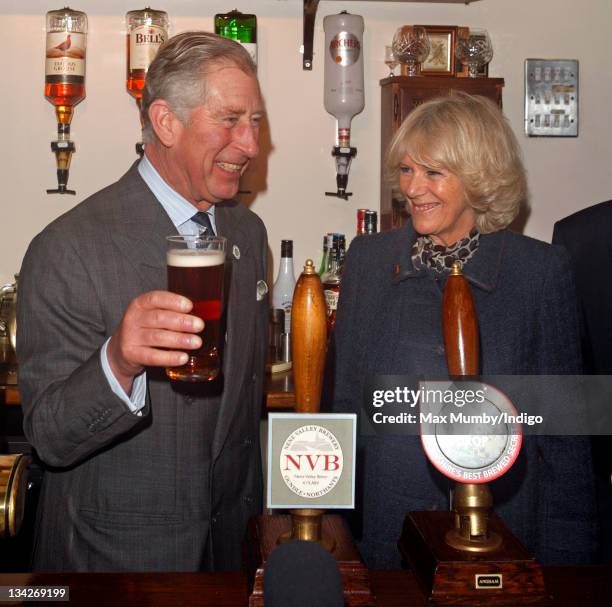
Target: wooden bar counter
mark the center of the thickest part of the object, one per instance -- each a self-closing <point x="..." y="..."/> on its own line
<point x="9" y="393"/>
<point x="279" y="391"/>
<point x="571" y="587"/>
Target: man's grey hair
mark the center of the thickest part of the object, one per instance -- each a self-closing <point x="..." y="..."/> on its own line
<point x="178" y="73"/>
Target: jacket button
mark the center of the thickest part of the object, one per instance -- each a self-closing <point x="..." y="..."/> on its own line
<point x="247" y="442"/>
<point x="248" y="499"/>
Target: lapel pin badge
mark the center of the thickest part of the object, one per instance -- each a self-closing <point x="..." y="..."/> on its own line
<point x="262" y="289"/>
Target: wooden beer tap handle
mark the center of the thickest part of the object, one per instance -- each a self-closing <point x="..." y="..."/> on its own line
<point x="447" y="551"/>
<point x="460" y="326"/>
<point x="308" y="340"/>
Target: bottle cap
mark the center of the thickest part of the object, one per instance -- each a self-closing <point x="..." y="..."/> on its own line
<point x="286" y="248"/>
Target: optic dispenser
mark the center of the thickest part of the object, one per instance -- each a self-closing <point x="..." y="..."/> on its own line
<point x="344" y="97"/>
<point x="65" y="81"/>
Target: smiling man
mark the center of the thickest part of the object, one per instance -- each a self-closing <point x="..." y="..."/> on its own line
<point x="143" y="474"/>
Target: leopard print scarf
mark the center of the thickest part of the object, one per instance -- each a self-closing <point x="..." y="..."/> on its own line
<point x="427" y="254"/>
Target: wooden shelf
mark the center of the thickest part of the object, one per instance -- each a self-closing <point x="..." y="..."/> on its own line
<point x="399" y="96"/>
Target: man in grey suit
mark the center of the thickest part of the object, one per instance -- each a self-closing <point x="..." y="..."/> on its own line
<point x="144" y="474"/>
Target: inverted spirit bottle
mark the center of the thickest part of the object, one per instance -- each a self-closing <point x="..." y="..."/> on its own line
<point x="65" y="81"/>
<point x="147" y="30"/>
<point x="240" y="27"/>
<point x="65" y="61"/>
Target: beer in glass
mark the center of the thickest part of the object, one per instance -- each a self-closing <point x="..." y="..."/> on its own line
<point x="196" y="270"/>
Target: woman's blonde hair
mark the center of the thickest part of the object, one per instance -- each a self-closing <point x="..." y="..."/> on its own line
<point x="468" y="136"/>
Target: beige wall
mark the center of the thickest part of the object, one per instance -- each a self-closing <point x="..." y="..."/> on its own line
<point x="564" y="174"/>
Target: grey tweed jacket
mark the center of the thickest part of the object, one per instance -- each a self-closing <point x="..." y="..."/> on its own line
<point x="171" y="490"/>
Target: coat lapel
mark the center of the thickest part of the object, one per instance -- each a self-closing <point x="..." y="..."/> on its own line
<point x="141" y="229"/>
<point x="482" y="271"/>
<point x="240" y="317"/>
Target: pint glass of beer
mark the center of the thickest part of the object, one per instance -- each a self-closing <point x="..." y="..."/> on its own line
<point x="196" y="270"/>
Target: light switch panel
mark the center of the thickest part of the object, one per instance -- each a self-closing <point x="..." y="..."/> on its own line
<point x="551" y="97"/>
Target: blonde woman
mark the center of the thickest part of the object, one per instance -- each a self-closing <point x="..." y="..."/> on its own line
<point x="457" y="162"/>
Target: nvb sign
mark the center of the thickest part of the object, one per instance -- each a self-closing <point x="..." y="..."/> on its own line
<point x="311" y="460"/>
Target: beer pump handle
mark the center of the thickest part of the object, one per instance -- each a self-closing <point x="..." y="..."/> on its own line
<point x="460" y="326"/>
<point x="308" y="340"/>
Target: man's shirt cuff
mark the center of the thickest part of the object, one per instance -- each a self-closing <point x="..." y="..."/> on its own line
<point x="136" y="401"/>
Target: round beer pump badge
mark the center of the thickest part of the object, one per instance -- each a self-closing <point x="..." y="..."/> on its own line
<point x="477" y="444"/>
<point x="311" y="461"/>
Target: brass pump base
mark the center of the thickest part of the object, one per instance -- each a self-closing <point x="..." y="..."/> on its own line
<point x="471" y="505"/>
<point x="481" y="545"/>
<point x="306" y="525"/>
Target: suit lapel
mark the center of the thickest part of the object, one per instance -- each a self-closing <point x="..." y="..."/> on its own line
<point x="141" y="229"/>
<point x="240" y="310"/>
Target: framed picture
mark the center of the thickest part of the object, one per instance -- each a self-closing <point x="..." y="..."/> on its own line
<point x="441" y="58"/>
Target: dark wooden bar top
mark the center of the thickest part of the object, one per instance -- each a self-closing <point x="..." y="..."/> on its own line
<point x="134" y="589"/>
<point x="9" y="393"/>
<point x="279" y="392"/>
<point x="571" y="587"/>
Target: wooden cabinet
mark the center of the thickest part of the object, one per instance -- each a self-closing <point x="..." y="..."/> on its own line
<point x="399" y="95"/>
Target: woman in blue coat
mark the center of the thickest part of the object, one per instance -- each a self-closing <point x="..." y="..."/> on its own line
<point x="457" y="162"/>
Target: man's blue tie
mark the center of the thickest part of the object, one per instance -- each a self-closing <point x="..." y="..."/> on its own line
<point x="204" y="220"/>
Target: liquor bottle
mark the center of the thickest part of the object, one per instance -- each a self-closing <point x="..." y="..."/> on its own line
<point x="371" y="222"/>
<point x="342" y="251"/>
<point x="324" y="257"/>
<point x="361" y="213"/>
<point x="147" y="30"/>
<point x="65" y="61"/>
<point x="328" y="241"/>
<point x="332" y="279"/>
<point x="282" y="292"/>
<point x="66" y="44"/>
<point x="240" y="27"/>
